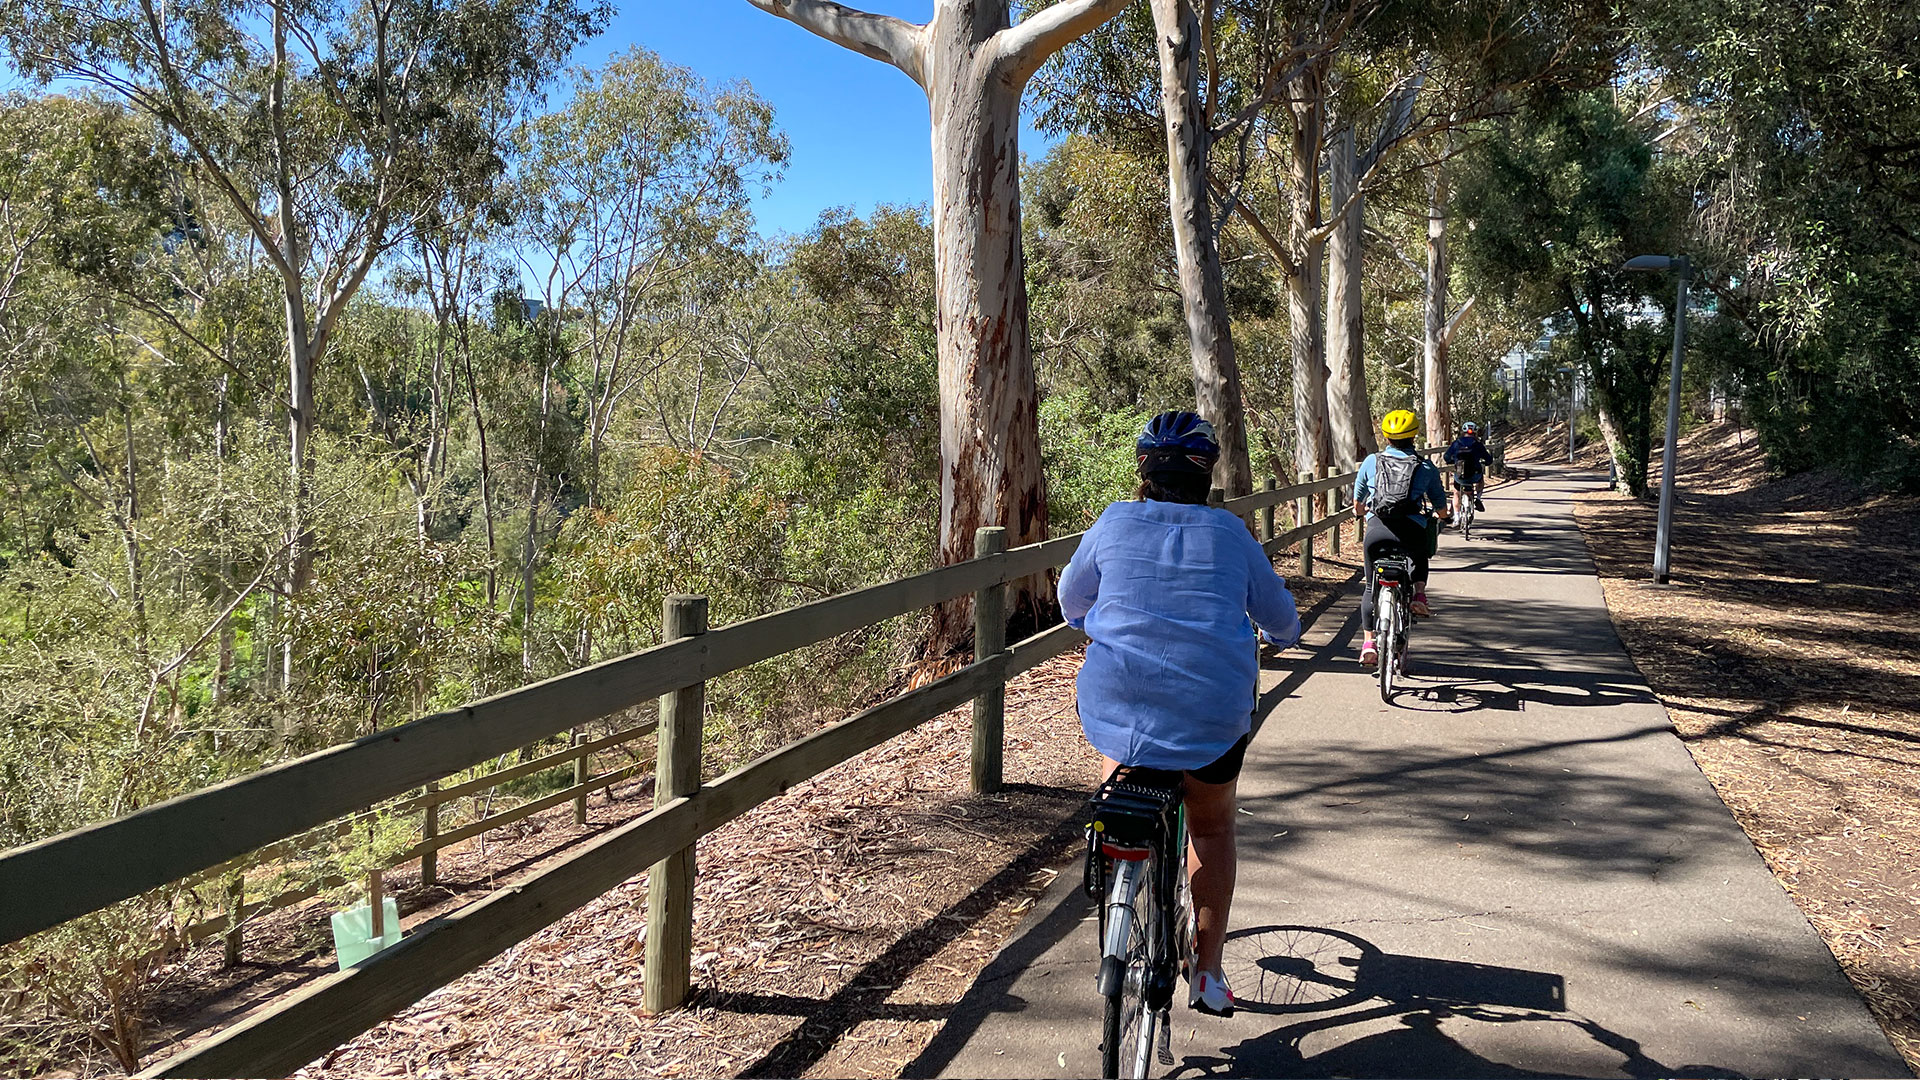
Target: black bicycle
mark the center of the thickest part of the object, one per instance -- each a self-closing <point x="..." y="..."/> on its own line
<point x="1463" y="486"/>
<point x="1392" y="614"/>
<point x="1136" y="865"/>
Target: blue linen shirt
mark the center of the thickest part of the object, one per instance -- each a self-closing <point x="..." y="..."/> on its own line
<point x="1426" y="481"/>
<point x="1164" y="590"/>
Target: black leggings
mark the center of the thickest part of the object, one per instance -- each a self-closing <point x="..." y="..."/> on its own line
<point x="1403" y="533"/>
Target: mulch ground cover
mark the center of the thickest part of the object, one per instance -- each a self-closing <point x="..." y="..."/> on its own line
<point x="834" y="927"/>
<point x="1787" y="650"/>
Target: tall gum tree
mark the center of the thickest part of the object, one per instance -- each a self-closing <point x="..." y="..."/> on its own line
<point x="973" y="63"/>
<point x="1203" y="294"/>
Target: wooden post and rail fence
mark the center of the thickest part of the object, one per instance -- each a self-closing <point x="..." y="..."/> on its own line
<point x="198" y="836"/>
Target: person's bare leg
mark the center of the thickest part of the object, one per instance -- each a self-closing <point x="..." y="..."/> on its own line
<point x="1212" y="864"/>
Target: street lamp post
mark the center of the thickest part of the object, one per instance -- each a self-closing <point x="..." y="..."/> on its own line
<point x="1570" y="377"/>
<point x="1663" y="534"/>
<point x="1573" y="407"/>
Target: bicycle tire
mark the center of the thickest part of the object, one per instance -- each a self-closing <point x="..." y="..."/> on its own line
<point x="1386" y="614"/>
<point x="1404" y="620"/>
<point x="1128" y="1022"/>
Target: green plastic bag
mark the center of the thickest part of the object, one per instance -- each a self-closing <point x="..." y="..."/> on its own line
<point x="353" y="932"/>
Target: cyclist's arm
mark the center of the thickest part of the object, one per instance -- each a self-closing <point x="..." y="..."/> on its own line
<point x="1362" y="487"/>
<point x="1080" y="581"/>
<point x="1436" y="492"/>
<point x="1268" y="601"/>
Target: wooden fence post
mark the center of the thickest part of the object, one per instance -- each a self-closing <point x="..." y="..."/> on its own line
<point x="580" y="772"/>
<point x="989" y="638"/>
<point x="677" y="774"/>
<point x="236" y="903"/>
<point x="1334" y="499"/>
<point x="1266" y="513"/>
<point x="377" y="903"/>
<point x="1304" y="514"/>
<point x="430" y="831"/>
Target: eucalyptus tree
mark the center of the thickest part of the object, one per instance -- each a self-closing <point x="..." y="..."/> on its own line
<point x="327" y="128"/>
<point x="629" y="194"/>
<point x="974" y="62"/>
<point x="1563" y="194"/>
<point x="1178" y="38"/>
<point x="1800" y="127"/>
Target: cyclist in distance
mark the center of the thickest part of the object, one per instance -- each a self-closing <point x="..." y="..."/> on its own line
<point x="1395" y="491"/>
<point x="1164" y="585"/>
<point x="1470" y="459"/>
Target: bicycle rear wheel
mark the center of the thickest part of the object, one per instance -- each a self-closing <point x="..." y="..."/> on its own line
<point x="1388" y="615"/>
<point x="1128" y="1026"/>
<point x="1403" y="619"/>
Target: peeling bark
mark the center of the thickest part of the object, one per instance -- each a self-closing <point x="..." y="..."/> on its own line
<point x="1312" y="449"/>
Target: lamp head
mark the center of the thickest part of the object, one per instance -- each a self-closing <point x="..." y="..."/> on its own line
<point x="1650" y="262"/>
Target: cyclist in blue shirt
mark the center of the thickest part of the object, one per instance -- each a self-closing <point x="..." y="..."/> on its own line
<point x="1164" y="586"/>
<point x="1470" y="459"/>
<point x="1406" y="524"/>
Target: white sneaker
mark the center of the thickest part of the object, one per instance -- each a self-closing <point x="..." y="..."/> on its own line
<point x="1208" y="993"/>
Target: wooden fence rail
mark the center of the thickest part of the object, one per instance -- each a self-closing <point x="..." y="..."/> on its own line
<point x="101" y="864"/>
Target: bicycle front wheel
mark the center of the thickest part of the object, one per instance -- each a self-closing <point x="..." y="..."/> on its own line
<point x="1128" y="1024"/>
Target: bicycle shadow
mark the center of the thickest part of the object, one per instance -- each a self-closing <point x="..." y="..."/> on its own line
<point x="1411" y="1015"/>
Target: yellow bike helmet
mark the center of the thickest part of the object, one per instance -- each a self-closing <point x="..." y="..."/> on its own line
<point x="1400" y="424"/>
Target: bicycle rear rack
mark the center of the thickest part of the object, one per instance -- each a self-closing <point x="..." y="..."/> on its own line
<point x="1135" y="806"/>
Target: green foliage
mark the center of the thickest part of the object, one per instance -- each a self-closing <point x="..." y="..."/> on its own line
<point x="681" y="525"/>
<point x="1561" y="196"/>
<point x="1800" y="127"/>
<point x="1089" y="457"/>
<point x="1106" y="309"/>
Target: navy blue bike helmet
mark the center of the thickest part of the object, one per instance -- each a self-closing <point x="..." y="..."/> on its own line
<point x="1179" y="442"/>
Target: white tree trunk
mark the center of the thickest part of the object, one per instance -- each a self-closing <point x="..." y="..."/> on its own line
<point x="973" y="65"/>
<point x="1203" y="295"/>
<point x="1439" y="270"/>
<point x="989" y="423"/>
<point x="1349" y="412"/>
<point x="1312" y="449"/>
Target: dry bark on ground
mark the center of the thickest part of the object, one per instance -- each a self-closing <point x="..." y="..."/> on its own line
<point x="1788" y="653"/>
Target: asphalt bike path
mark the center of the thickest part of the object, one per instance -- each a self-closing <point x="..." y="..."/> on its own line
<point x="1515" y="870"/>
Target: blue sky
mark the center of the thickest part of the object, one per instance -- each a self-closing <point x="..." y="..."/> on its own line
<point x="858" y="127"/>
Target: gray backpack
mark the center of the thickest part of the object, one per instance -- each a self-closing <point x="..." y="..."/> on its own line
<point x="1392" y="494"/>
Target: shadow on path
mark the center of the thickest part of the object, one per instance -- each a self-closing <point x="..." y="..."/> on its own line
<point x="1320" y="975"/>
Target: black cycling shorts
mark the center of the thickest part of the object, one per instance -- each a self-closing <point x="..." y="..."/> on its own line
<point x="1225" y="768"/>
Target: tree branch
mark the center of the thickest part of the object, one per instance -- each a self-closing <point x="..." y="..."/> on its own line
<point x="882" y="37"/>
<point x="1453" y="324"/>
<point x="1021" y="49"/>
